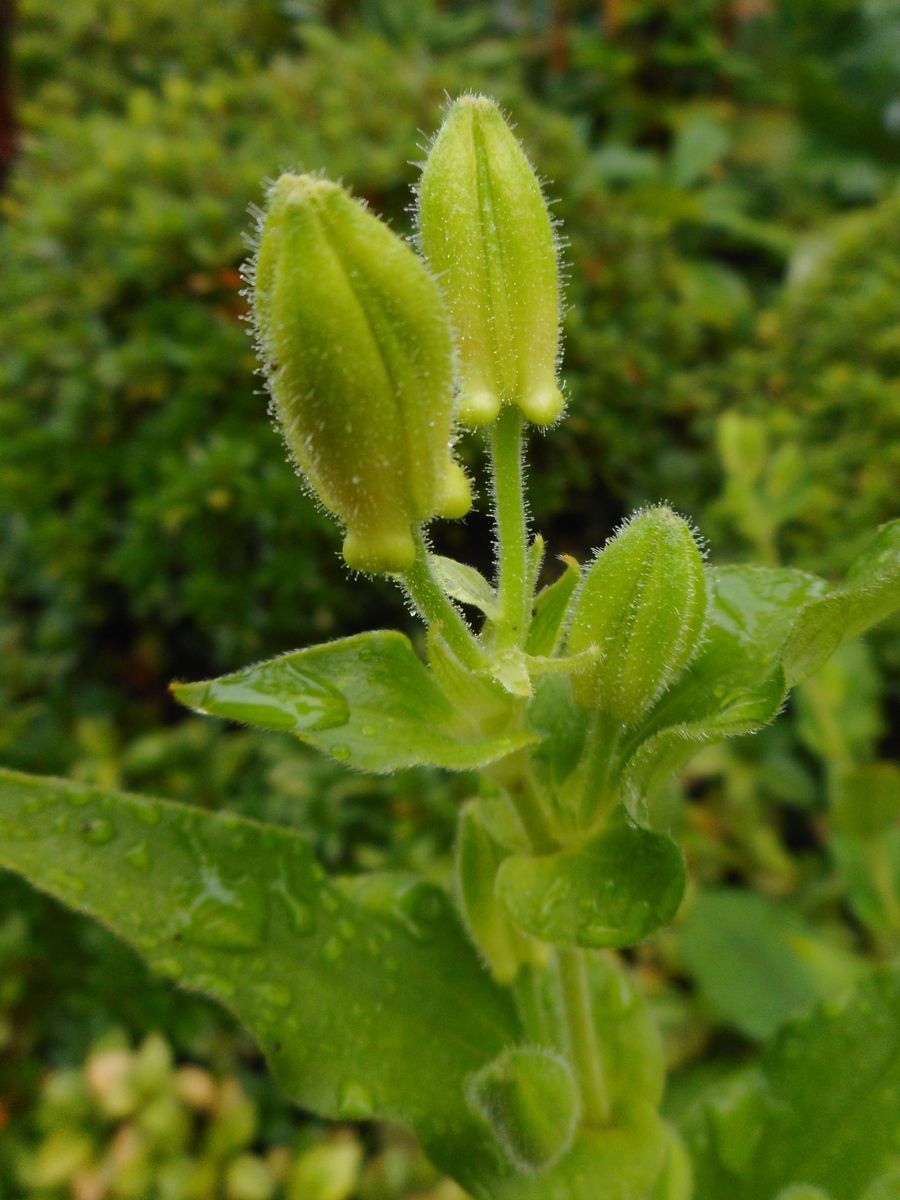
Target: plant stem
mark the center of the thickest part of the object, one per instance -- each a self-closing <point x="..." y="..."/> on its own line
<point x="436" y="609"/>
<point x="584" y="1049"/>
<point x="512" y="527"/>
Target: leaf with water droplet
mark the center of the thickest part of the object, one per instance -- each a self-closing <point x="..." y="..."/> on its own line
<point x="613" y="889"/>
<point x="367" y="701"/>
<point x="243" y="912"/>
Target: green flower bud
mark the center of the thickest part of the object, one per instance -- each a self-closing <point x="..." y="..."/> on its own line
<point x="486" y="233"/>
<point x="358" y="354"/>
<point x="529" y="1098"/>
<point x="644" y="604"/>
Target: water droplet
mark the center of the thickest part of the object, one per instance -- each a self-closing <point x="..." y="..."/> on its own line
<point x="138" y="857"/>
<point x="98" y="831"/>
<point x="280" y="694"/>
<point x="355" y="1102"/>
<point x="341" y="752"/>
<point x="301" y="914"/>
<point x="227" y="915"/>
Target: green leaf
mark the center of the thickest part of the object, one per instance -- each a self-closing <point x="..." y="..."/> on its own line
<point x="700" y="144"/>
<point x="550" y="607"/>
<point x="363" y="1006"/>
<point x="822" y="1107"/>
<point x="367" y="701"/>
<point x="735" y="685"/>
<point x="463" y="583"/>
<point x="756" y="961"/>
<point x="614" y="889"/>
<point x="870" y="594"/>
<point x="865" y="842"/>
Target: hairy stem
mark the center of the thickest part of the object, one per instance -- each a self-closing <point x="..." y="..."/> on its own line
<point x="580" y="1034"/>
<point x="436" y="609"/>
<point x="584" y="1048"/>
<point x="512" y="527"/>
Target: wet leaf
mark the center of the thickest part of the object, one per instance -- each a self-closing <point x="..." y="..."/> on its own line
<point x="363" y="1005"/>
<point x="367" y="701"/>
<point x="614" y="889"/>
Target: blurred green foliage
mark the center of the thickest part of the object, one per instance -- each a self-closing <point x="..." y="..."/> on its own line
<point x="728" y="182"/>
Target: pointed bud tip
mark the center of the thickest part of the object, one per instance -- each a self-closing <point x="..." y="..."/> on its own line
<point x="289" y="189"/>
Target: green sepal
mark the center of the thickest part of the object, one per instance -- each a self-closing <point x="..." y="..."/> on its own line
<point x="367" y="701"/>
<point x="343" y="996"/>
<point x="478" y="858"/>
<point x="529" y="1098"/>
<point x="821" y="1106"/>
<point x="869" y="595"/>
<point x="550" y="607"/>
<point x="463" y="583"/>
<point x="613" y="889"/>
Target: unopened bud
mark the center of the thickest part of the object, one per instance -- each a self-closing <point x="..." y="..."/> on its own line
<point x="643" y="604"/>
<point x="486" y="233"/>
<point x="357" y="349"/>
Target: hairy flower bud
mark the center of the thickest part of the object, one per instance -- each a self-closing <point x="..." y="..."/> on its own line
<point x="486" y="232"/>
<point x="643" y="604"/>
<point x="358" y="354"/>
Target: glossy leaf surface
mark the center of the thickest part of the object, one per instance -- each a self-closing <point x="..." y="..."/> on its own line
<point x="735" y="685"/>
<point x="367" y="701"/>
<point x="822" y="1108"/>
<point x="363" y="1007"/>
<point x="614" y="889"/>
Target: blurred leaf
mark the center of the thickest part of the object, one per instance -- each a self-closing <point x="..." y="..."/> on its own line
<point x="700" y="144"/>
<point x="367" y="701"/>
<point x="865" y="841"/>
<point x="714" y="293"/>
<point x="870" y="594"/>
<point x="756" y="962"/>
<point x="822" y="1107"/>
